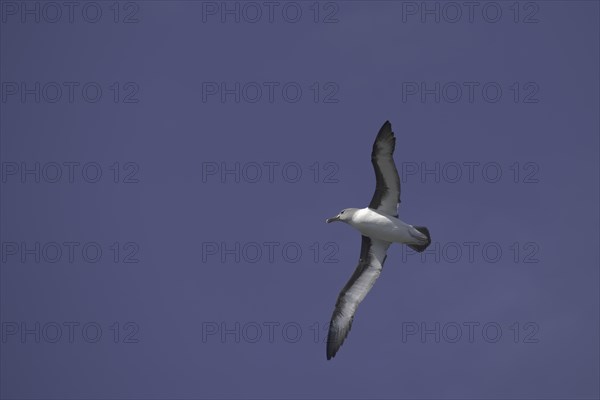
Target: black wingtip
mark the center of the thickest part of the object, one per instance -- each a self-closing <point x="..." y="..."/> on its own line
<point x="336" y="337"/>
<point x="385" y="130"/>
<point x="330" y="352"/>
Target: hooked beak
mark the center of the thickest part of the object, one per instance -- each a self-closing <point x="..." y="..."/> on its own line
<point x="333" y="219"/>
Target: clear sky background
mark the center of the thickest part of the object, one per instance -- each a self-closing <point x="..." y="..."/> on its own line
<point x="222" y="148"/>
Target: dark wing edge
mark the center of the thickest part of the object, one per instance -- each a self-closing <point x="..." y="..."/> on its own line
<point x="383" y="161"/>
<point x="343" y="314"/>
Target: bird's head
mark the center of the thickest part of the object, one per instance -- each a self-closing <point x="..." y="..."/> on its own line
<point x="344" y="216"/>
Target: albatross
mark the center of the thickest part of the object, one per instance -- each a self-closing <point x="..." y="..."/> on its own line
<point x="380" y="227"/>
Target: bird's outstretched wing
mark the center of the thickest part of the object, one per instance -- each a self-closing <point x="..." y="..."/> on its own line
<point x="372" y="257"/>
<point x="387" y="192"/>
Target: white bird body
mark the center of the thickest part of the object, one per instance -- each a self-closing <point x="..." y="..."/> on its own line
<point x="377" y="225"/>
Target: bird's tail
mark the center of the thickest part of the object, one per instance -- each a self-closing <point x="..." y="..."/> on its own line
<point x="421" y="247"/>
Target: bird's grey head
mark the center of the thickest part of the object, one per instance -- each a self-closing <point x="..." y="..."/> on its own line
<point x="344" y="216"/>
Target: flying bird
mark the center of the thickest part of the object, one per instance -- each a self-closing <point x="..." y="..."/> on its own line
<point x="380" y="227"/>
